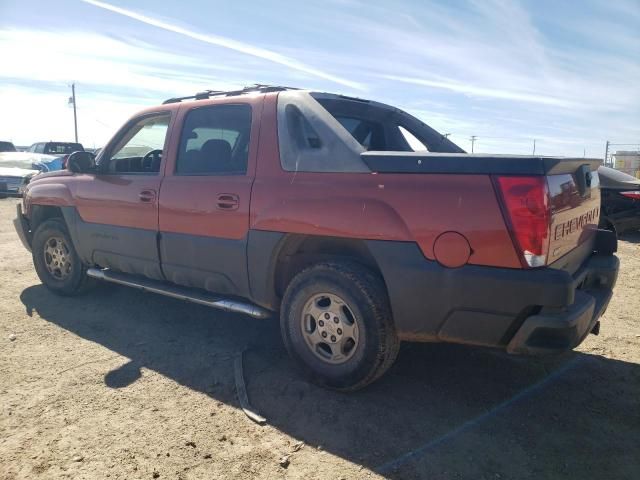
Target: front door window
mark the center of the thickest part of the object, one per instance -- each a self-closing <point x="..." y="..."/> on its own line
<point x="139" y="150"/>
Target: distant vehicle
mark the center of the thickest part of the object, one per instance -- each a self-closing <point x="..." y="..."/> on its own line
<point x="357" y="222"/>
<point x="18" y="168"/>
<point x="7" y="147"/>
<point x="58" y="149"/>
<point x="620" y="195"/>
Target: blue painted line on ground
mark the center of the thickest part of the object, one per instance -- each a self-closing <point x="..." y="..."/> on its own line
<point x="527" y="392"/>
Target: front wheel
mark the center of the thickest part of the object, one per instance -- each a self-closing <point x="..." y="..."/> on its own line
<point x="336" y="322"/>
<point x="56" y="261"/>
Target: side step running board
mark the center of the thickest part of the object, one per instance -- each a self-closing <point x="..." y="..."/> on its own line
<point x="201" y="298"/>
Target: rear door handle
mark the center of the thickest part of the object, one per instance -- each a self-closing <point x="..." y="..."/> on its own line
<point x="228" y="201"/>
<point x="147" y="196"/>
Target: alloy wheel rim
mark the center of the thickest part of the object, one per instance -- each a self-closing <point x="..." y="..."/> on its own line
<point x="57" y="258"/>
<point x="329" y="328"/>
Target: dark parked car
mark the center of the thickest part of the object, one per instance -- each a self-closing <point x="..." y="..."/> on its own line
<point x="620" y="200"/>
<point x="58" y="149"/>
<point x="7" y="147"/>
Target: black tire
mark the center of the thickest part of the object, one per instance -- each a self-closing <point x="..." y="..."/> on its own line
<point x="365" y="294"/>
<point x="76" y="280"/>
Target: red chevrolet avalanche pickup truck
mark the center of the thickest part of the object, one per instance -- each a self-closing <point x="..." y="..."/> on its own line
<point x="358" y="223"/>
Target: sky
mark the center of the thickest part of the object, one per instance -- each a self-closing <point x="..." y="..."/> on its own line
<point x="565" y="74"/>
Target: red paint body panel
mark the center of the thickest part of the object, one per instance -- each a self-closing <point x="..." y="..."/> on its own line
<point x="189" y="204"/>
<point x="97" y="202"/>
<point x="387" y="207"/>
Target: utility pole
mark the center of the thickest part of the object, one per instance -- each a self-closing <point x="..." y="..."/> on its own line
<point x="473" y="141"/>
<point x="446" y="135"/>
<point x="534" y="146"/>
<point x="72" y="101"/>
<point x="606" y="152"/>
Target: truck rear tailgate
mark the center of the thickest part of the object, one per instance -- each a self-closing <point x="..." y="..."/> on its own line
<point x="575" y="211"/>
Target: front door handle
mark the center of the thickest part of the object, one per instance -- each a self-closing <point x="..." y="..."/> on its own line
<point x="228" y="201"/>
<point x="147" y="196"/>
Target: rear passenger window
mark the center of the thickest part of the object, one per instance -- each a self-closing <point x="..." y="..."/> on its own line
<point x="215" y="141"/>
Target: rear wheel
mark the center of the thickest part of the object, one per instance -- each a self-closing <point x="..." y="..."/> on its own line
<point x="336" y="322"/>
<point x="56" y="261"/>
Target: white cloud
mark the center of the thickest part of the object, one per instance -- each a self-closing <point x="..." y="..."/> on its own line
<point x="230" y="44"/>
<point x="93" y="59"/>
<point x="474" y="90"/>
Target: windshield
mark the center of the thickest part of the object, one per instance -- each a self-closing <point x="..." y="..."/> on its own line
<point x="146" y="135"/>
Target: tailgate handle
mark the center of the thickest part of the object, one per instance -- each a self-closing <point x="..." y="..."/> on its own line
<point x="228" y="201"/>
<point x="583" y="180"/>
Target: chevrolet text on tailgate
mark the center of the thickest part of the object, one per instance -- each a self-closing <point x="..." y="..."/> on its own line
<point x="358" y="223"/>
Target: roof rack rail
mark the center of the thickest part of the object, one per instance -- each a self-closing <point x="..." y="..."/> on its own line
<point x="215" y="93"/>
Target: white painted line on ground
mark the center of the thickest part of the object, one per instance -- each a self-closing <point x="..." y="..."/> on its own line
<point x="527" y="392"/>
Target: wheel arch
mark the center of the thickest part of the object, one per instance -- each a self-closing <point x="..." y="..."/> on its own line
<point x="69" y="215"/>
<point x="40" y="213"/>
<point x="275" y="258"/>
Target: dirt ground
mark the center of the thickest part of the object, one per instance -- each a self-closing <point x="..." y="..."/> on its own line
<point x="123" y="384"/>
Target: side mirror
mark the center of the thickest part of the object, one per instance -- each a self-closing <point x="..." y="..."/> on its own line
<point x="81" y="162"/>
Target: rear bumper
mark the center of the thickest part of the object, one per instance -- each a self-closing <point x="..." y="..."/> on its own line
<point x="21" y="224"/>
<point x="543" y="310"/>
<point x="555" y="330"/>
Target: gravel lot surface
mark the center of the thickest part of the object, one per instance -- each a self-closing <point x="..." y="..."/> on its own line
<point x="122" y="384"/>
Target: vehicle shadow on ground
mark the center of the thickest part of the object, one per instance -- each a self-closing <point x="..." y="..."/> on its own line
<point x="441" y="411"/>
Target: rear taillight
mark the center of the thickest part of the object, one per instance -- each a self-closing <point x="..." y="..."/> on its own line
<point x="527" y="207"/>
<point x="632" y="195"/>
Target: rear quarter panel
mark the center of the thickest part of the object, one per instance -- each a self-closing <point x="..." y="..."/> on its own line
<point x="411" y="208"/>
